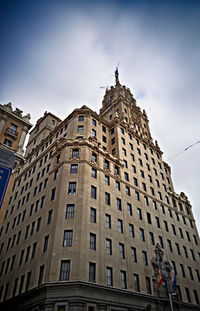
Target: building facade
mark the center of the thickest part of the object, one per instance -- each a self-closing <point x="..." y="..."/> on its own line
<point x="13" y="130"/>
<point x="86" y="212"/>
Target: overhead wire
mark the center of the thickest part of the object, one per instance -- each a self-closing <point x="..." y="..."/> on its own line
<point x="184" y="150"/>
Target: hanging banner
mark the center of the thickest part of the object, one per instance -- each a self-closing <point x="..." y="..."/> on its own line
<point x="5" y="173"/>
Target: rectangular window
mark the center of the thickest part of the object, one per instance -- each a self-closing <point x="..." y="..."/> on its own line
<point x="123" y="279"/>
<point x="136" y="282"/>
<point x="94" y="132"/>
<point x="75" y="153"/>
<point x="142" y="238"/>
<point x="80" y="128"/>
<point x="148" y="285"/>
<point x="129" y="207"/>
<point x="137" y="195"/>
<point x="117" y="185"/>
<point x="45" y="246"/>
<point x="21" y="285"/>
<point x="144" y="258"/>
<point x="109" y="276"/>
<point x="92" y="272"/>
<point x="119" y="204"/>
<point x="81" y="118"/>
<point x="93" y="192"/>
<point x="107" y="180"/>
<point x="74" y="169"/>
<point x="93" y="241"/>
<point x="120" y="225"/>
<point x="139" y="212"/>
<point x="134" y="254"/>
<point x="64" y="270"/>
<point x="72" y="188"/>
<point x="68" y="236"/>
<point x="94" y="173"/>
<point x="49" y="217"/>
<point x="108" y="221"/>
<point x="33" y="250"/>
<point x="106" y="164"/>
<point x="93" y="215"/>
<point x="53" y="192"/>
<point x="41" y="275"/>
<point x="152" y="238"/>
<point x="94" y="157"/>
<point x="70" y="210"/>
<point x="131" y="230"/>
<point x="107" y="198"/>
<point x="108" y="247"/>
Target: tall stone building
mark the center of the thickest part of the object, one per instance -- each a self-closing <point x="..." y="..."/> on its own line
<point x="13" y="130"/>
<point x="87" y="212"/>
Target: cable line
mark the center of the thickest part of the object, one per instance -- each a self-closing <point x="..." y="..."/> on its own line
<point x="183" y="150"/>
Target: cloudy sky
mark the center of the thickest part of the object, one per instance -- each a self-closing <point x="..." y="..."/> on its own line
<point x="55" y="55"/>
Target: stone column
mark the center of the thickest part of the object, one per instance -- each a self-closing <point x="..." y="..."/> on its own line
<point x="21" y="142"/>
<point x="2" y="124"/>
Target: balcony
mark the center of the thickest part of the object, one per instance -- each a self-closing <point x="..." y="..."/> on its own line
<point x="11" y="132"/>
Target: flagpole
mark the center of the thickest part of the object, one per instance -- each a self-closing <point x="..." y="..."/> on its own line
<point x="170" y="301"/>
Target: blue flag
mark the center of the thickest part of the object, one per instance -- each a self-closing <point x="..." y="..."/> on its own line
<point x="174" y="282"/>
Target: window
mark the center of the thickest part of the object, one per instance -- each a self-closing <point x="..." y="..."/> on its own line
<point x="33" y="250"/>
<point x="67" y="239"/>
<point x="185" y="251"/>
<point x="140" y="162"/>
<point x="134" y="254"/>
<point x="132" y="157"/>
<point x="170" y="245"/>
<point x="190" y="273"/>
<point x="181" y="233"/>
<point x="108" y="247"/>
<point x="166" y="226"/>
<point x="125" y="164"/>
<point x="160" y="195"/>
<point x="75" y="153"/>
<point x="135" y="181"/>
<point x="131" y="230"/>
<point x="142" y="238"/>
<point x="147" y="166"/>
<point x="45" y="246"/>
<point x="133" y="169"/>
<point x="129" y="207"/>
<point x="155" y="205"/>
<point x="92" y="272"/>
<point x="103" y="128"/>
<point x="94" y="173"/>
<point x="161" y="241"/>
<point x="108" y="221"/>
<point x="128" y="191"/>
<point x="93" y="241"/>
<point x="81" y="118"/>
<point x="8" y="142"/>
<point x="124" y="151"/>
<point x="131" y="146"/>
<point x="94" y="122"/>
<point x="53" y="192"/>
<point x="146" y="200"/>
<point x="94" y="133"/>
<point x="188" y="294"/>
<point x="104" y="138"/>
<point x="177" y="248"/>
<point x="119" y="204"/>
<point x="49" y="217"/>
<point x="74" y="168"/>
<point x="149" y="218"/>
<point x="107" y="180"/>
<point x="121" y="251"/>
<point x="64" y="270"/>
<point x="41" y="274"/>
<point x="136" y="282"/>
<point x="117" y="185"/>
<point x="139" y="212"/>
<point x="182" y="270"/>
<point x="137" y="196"/>
<point x="144" y="258"/>
<point x="80" y="128"/>
<point x="106" y="164"/>
<point x="173" y="229"/>
<point x="93" y="215"/>
<point x="72" y="188"/>
<point x="109" y="276"/>
<point x="38" y="224"/>
<point x="142" y="173"/>
<point x="148" y="285"/>
<point x="123" y="279"/>
<point x="113" y="141"/>
<point x="94" y="157"/>
<point x="192" y="254"/>
<point x="120" y="225"/>
<point x="123" y="141"/>
<point x="116" y="170"/>
<point x="107" y="198"/>
<point x="152" y="238"/>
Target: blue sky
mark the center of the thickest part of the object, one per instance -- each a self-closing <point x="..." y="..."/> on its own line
<point x="55" y="55"/>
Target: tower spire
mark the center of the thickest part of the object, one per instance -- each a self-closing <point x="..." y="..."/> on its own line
<point x="117" y="76"/>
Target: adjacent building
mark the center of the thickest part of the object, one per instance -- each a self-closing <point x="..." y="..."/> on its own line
<point x="13" y="130"/>
<point x="87" y="211"/>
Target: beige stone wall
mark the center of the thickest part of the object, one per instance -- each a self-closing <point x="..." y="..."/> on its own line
<point x="80" y="253"/>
